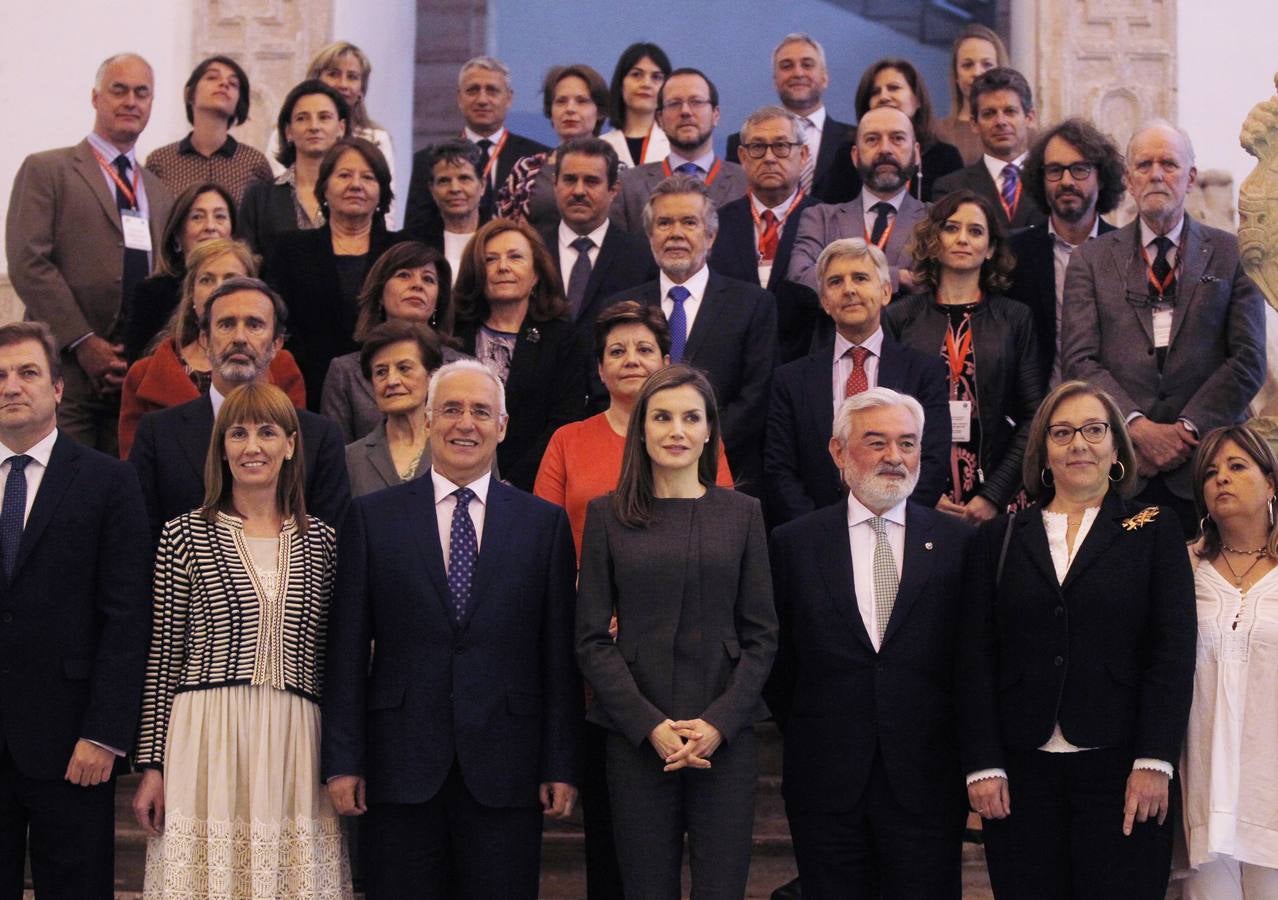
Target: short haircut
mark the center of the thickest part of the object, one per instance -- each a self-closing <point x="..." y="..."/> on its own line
<point x="240" y="115"/>
<point x="238" y="285"/>
<point x="767" y="114"/>
<point x="404" y="255"/>
<point x="1151" y="124"/>
<point x="980" y="33"/>
<point x="18" y="332"/>
<point x="287" y="152"/>
<point x="683" y="184"/>
<point x="688" y="70"/>
<point x="925" y="244"/>
<point x="1034" y="462"/>
<point x="328" y="57"/>
<point x="547" y="299"/>
<point x="453" y="151"/>
<point x="590" y="146"/>
<point x="874" y="398"/>
<point x="1003" y="78"/>
<point x="169" y="261"/>
<point x="853" y="248"/>
<point x="488" y="64"/>
<point x="799" y="37"/>
<point x="1094" y="146"/>
<point x="100" y="76"/>
<point x="629" y="57"/>
<point x="594" y="84"/>
<point x="376" y="162"/>
<point x="464" y="365"/>
<point x="184" y="327"/>
<point x="922" y="118"/>
<point x="381" y="336"/>
<point x="1255" y="446"/>
<point x="631" y="312"/>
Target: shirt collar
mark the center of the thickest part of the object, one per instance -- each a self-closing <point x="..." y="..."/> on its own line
<point x="995" y="165"/>
<point x="817" y="118"/>
<point x="215" y="398"/>
<point x="696" y="285"/>
<point x="1148" y="234"/>
<point x="868" y="199"/>
<point x="227" y="149"/>
<point x="475" y="138"/>
<point x="567" y="235"/>
<point x="859" y="514"/>
<point x="874" y="343"/>
<point x="704" y="163"/>
<point x="40" y="451"/>
<point x="444" y="487"/>
<point x="780" y="210"/>
<point x="1051" y="229"/>
<point x="110" y="151"/>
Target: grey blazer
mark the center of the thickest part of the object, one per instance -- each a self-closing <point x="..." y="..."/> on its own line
<point x="369" y="464"/>
<point x="1216" y="359"/>
<point x="826" y="222"/>
<point x="347" y="396"/>
<point x="637" y="185"/>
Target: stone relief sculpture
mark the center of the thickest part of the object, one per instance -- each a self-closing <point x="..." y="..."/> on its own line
<point x="1258" y="234"/>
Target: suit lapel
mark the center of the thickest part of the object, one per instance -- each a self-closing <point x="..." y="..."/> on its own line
<point x="836" y="570"/>
<point x="853" y="212"/>
<point x="607" y="251"/>
<point x="911" y="211"/>
<point x="1104" y="531"/>
<point x="1196" y="254"/>
<point x="1131" y="274"/>
<point x="831" y="137"/>
<point x="421" y="511"/>
<point x="781" y="263"/>
<point x="377" y="451"/>
<point x="713" y="305"/>
<point x="819" y="382"/>
<point x="86" y="165"/>
<point x="916" y="568"/>
<point x="197" y="428"/>
<point x="64" y="462"/>
<point x="1033" y="537"/>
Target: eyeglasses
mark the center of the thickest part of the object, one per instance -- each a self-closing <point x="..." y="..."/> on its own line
<point x="780" y="149"/>
<point x="696" y="104"/>
<point x="1077" y="171"/>
<point x="1092" y="432"/>
<point x="453" y="412"/>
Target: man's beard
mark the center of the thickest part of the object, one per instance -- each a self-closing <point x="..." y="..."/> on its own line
<point x="878" y="492"/>
<point x="243" y="372"/>
<point x="871" y="178"/>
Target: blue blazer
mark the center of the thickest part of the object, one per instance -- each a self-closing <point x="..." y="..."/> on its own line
<point x="499" y="693"/>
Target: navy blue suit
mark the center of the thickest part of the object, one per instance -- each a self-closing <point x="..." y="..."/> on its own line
<point x="798" y="471"/>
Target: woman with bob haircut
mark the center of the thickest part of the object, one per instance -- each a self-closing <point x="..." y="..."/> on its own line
<point x="637" y="78"/>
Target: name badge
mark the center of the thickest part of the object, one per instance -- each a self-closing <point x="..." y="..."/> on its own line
<point x="137" y="230"/>
<point x="961" y="421"/>
<point x="765" y="272"/>
<point x="1162" y="327"/>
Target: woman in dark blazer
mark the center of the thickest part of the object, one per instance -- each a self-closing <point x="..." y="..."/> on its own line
<point x="320" y="272"/>
<point x="510" y="316"/>
<point x="1077" y="666"/>
<point x="684" y="565"/>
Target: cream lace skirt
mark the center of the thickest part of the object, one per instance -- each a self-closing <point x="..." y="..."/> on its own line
<point x="245" y="813"/>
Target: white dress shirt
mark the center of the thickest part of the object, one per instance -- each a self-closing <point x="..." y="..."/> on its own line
<point x="454" y="248"/>
<point x="496" y="138"/>
<point x="868" y="200"/>
<point x="995" y="166"/>
<point x="1061" y="252"/>
<point x="813" y="127"/>
<point x="568" y="255"/>
<point x="843" y="363"/>
<point x="696" y="286"/>
<point x="215" y="398"/>
<point x="445" y="503"/>
<point x="34" y="472"/>
<point x="862" y="540"/>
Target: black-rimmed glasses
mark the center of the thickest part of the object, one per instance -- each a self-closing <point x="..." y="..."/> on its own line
<point x="1092" y="432"/>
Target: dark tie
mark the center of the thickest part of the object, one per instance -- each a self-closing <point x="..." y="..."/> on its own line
<point x="1011" y="178"/>
<point x="485" y="148"/>
<point x="15" y="509"/>
<point x="580" y="274"/>
<point x="881" y="211"/>
<point x="858" y="378"/>
<point x="463" y="552"/>
<point x="678" y="322"/>
<point x="135" y="262"/>
<point x="770" y="238"/>
<point x="1162" y="271"/>
<point x="689" y="169"/>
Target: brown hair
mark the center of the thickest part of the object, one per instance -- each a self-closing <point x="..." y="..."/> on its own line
<point x="382" y="336"/>
<point x="925" y="244"/>
<point x="376" y="162"/>
<point x="546" y="301"/>
<point x="594" y="84"/>
<point x="1261" y="454"/>
<point x="631" y="312"/>
<point x="241" y="112"/>
<point x="632" y="501"/>
<point x="249" y="404"/>
<point x="17" y="332"/>
<point x="1035" y="459"/>
<point x="169" y="261"/>
<point x="980" y="33"/>
<point x="404" y="255"/>
<point x="922" y="118"/>
<point x="328" y="56"/>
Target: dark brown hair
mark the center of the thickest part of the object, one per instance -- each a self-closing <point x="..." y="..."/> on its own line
<point x="287" y="153"/>
<point x="1034" y="462"/>
<point x="376" y="162"/>
<point x="631" y="312"/>
<point x="546" y="301"/>
<point x="925" y="244"/>
<point x="240" y="115"/>
<point x="629" y="57"/>
<point x="404" y="255"/>
<point x="16" y="332"/>
<point x="1094" y="147"/>
<point x="1261" y="454"/>
<point x="922" y="118"/>
<point x="169" y="260"/>
<point x="381" y="336"/>
<point x="594" y="84"/>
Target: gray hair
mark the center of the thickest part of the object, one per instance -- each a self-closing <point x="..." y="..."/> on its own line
<point x="464" y="365"/>
<point x="767" y="114"/>
<point x="1150" y="125"/>
<point x="683" y="184"/>
<point x="854" y="248"/>
<point x="487" y="63"/>
<point x="874" y="398"/>
<point x="799" y="37"/>
<point x="107" y="63"/>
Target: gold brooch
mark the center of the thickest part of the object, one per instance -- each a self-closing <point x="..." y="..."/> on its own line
<point x="1142" y="518"/>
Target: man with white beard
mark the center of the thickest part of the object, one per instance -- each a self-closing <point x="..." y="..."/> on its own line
<point x="868" y="593"/>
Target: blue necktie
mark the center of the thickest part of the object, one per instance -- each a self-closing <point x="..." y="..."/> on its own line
<point x="15" y="509"/>
<point x="463" y="552"/>
<point x="689" y="169"/>
<point x="678" y="322"/>
<point x="1011" y="176"/>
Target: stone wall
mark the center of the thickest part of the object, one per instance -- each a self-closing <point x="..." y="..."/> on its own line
<point x="449" y="32"/>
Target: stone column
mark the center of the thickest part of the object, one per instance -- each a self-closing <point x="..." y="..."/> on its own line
<point x="449" y="32"/>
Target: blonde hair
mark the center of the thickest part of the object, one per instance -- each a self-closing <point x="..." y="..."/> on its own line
<point x="327" y="56"/>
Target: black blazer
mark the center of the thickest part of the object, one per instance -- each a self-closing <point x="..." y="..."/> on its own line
<point x="938" y="160"/>
<point x="797" y="467"/>
<point x="734" y="341"/>
<point x="498" y="695"/>
<point x="148" y="310"/>
<point x="1109" y="655"/>
<point x="75" y="614"/>
<point x="834" y="136"/>
<point x="837" y="701"/>
<point x="546" y="388"/>
<point x="321" y="321"/>
<point x="735" y="254"/>
<point x="977" y="178"/>
<point x="421" y="215"/>
<point x="172" y="444"/>
<point x="1034" y="284"/>
<point x="266" y="212"/>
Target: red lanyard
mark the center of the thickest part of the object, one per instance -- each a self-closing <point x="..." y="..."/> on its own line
<point x="881" y="243"/>
<point x="710" y="176"/>
<point x="957" y="352"/>
<point x="129" y="194"/>
<point x="493" y="153"/>
<point x="758" y="220"/>
<point x="643" y="150"/>
<point x="1165" y="285"/>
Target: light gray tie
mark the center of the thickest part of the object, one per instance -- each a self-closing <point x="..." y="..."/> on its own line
<point x="886" y="580"/>
<point x="809" y="167"/>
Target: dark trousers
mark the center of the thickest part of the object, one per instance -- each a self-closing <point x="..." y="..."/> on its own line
<point x="879" y="849"/>
<point x="451" y="846"/>
<point x="1156" y="493"/>
<point x="87" y="416"/>
<point x="603" y="872"/>
<point x="652" y="810"/>
<point x="1064" y="838"/>
<point x="72" y="836"/>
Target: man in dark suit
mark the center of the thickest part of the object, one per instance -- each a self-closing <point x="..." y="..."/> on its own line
<point x="1161" y="315"/>
<point x="801" y="77"/>
<point x="1003" y="112"/>
<point x="484" y="96"/>
<point x="688" y="112"/>
<point x="82" y="226"/>
<point x="869" y="595"/>
<point x="75" y="613"/>
<point x="465" y="732"/>
<point x="797" y="467"/>
<point x="724" y="327"/>
<point x="757" y="231"/>
<point x="1073" y="173"/>
<point x="243" y="325"/>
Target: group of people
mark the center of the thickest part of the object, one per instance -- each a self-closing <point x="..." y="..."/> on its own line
<point x="615" y="450"/>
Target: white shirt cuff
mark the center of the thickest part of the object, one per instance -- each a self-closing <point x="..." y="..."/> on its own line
<point x="985" y="774"/>
<point x="106" y="747"/>
<point x="1154" y="765"/>
<point x="1132" y="417"/>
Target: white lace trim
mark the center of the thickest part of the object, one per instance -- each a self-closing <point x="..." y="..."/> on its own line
<point x="301" y="858"/>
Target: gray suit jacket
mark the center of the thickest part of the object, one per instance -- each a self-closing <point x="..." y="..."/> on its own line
<point x="827" y="222"/>
<point x="64" y="241"/>
<point x="637" y="185"/>
<point x="1216" y="359"/>
<point x="348" y="399"/>
<point x="369" y="464"/>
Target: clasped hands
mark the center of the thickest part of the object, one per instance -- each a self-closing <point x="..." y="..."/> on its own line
<point x="1160" y="447"/>
<point x="688" y="743"/>
<point x="1146" y="797"/>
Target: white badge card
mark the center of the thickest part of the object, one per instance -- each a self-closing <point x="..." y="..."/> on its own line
<point x="137" y="230"/>
<point x="961" y="421"/>
<point x="1162" y="327"/>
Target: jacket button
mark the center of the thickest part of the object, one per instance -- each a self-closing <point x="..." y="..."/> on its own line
<point x="6" y="617"/>
<point x="1060" y="660"/>
<point x="1060" y="611"/>
<point x="460" y="648"/>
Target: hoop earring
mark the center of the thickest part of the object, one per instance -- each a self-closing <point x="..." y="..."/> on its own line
<point x="1042" y="476"/>
<point x="1271" y="513"/>
<point x="1122" y="471"/>
<point x="1202" y="524"/>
